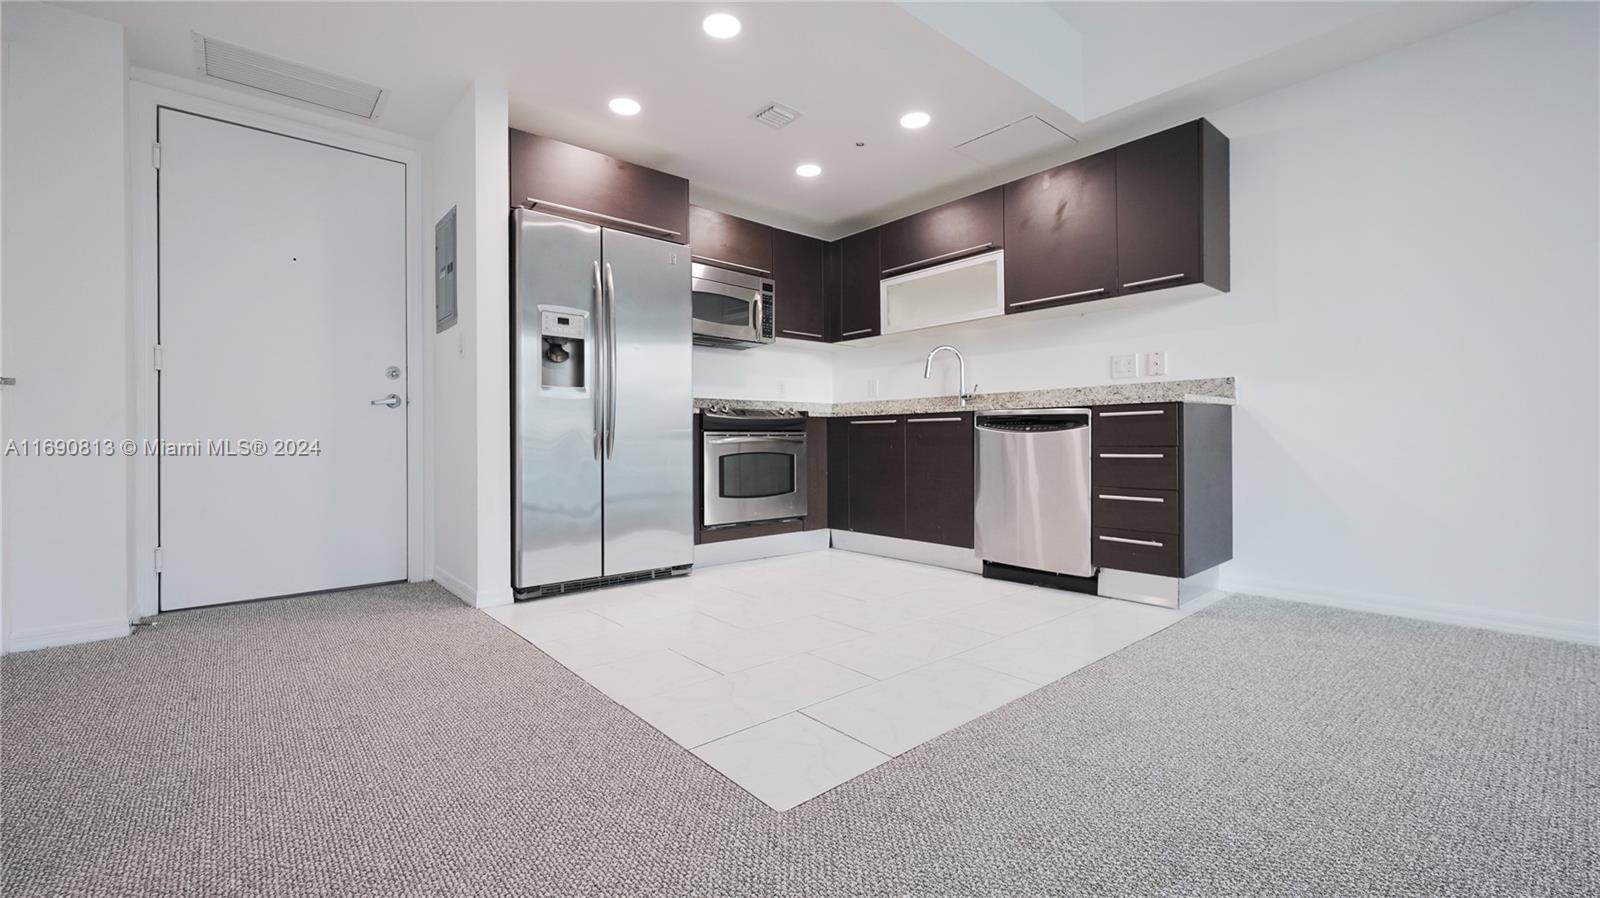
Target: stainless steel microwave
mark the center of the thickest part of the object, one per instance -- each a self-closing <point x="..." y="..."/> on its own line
<point x="731" y="308"/>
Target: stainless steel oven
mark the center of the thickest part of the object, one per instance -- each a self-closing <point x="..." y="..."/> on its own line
<point x="755" y="467"/>
<point x="731" y="308"/>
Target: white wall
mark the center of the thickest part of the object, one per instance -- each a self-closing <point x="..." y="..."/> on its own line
<point x="1413" y="325"/>
<point x="64" y="323"/>
<point x="468" y="167"/>
<point x="791" y="370"/>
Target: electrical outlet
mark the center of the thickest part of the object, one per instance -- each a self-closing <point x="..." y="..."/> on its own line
<point x="872" y="388"/>
<point x="1155" y="364"/>
<point x="1122" y="365"/>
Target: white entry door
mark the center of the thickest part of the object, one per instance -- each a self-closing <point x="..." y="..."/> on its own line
<point x="282" y="364"/>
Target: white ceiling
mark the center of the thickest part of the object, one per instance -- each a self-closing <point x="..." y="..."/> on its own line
<point x="851" y="68"/>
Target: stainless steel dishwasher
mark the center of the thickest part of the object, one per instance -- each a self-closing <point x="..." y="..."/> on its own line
<point x="1032" y="505"/>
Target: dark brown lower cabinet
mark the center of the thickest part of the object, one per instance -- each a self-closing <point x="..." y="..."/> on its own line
<point x="877" y="472"/>
<point x="939" y="479"/>
<point x="1162" y="497"/>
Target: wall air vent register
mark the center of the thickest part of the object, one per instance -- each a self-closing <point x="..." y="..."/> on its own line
<point x="248" y="68"/>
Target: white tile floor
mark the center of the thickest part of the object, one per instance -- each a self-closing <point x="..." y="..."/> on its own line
<point x="792" y="675"/>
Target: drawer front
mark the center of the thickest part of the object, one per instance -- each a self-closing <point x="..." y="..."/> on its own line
<point x="1142" y="467"/>
<point x="1136" y="550"/>
<point x="1129" y="508"/>
<point x="1152" y="424"/>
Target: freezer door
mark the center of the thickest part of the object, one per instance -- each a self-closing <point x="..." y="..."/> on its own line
<point x="556" y="520"/>
<point x="649" y="466"/>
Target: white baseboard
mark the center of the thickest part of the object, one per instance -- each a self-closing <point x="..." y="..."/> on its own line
<point x="68" y="634"/>
<point x="1585" y="632"/>
<point x="772" y="545"/>
<point x="495" y="598"/>
<point x="455" y="586"/>
<point x="951" y="557"/>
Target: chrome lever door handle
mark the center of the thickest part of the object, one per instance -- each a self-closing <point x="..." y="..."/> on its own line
<point x="392" y="400"/>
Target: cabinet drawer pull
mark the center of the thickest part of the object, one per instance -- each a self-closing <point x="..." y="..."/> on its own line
<point x="1133" y="455"/>
<point x="1147" y="411"/>
<point x="877" y="421"/>
<point x="1030" y="302"/>
<point x="942" y="256"/>
<point x="1160" y="280"/>
<point x="534" y="202"/>
<point x="931" y="420"/>
<point x="1133" y="542"/>
<point x="1158" y="500"/>
<point x="865" y="330"/>
<point x="724" y="263"/>
<point x="802" y="334"/>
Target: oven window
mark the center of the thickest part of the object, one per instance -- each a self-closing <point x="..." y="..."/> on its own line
<point x="755" y="475"/>
<point x="718" y="309"/>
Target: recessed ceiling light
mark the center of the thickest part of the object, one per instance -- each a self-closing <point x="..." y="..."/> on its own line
<point x="808" y="170"/>
<point x="625" y="106"/>
<point x="915" y="120"/>
<point x="720" y="25"/>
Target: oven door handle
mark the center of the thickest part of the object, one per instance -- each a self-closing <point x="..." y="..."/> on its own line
<point x="721" y="440"/>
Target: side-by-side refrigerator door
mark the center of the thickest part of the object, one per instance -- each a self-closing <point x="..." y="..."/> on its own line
<point x="649" y="478"/>
<point x="556" y="426"/>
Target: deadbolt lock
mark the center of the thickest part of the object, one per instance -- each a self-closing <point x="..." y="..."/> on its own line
<point x="392" y="372"/>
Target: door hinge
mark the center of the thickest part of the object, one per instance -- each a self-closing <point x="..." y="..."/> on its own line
<point x="156" y="356"/>
<point x="155" y="155"/>
<point x="158" y="559"/>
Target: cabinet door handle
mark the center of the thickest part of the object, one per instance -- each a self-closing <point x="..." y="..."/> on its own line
<point x="942" y="256"/>
<point x="1148" y="411"/>
<point x="1147" y="281"/>
<point x="1133" y="455"/>
<point x="931" y="420"/>
<point x="1133" y="542"/>
<point x="802" y="334"/>
<point x="1030" y="302"/>
<point x="1117" y="498"/>
<point x="878" y="421"/>
<point x="626" y="222"/>
<point x="865" y="330"/>
<point x="724" y="263"/>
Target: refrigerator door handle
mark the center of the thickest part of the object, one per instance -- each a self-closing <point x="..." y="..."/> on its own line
<point x="611" y="361"/>
<point x="599" y="339"/>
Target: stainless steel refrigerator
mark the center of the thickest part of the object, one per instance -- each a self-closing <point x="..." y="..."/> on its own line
<point x="602" y="407"/>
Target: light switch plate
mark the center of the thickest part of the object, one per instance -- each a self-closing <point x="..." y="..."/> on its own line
<point x="1155" y="364"/>
<point x="1123" y="365"/>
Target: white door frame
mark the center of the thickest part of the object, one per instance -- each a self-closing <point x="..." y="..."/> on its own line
<point x="149" y="91"/>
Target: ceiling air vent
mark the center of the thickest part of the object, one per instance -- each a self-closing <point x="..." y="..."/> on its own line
<point x="776" y="115"/>
<point x="237" y="65"/>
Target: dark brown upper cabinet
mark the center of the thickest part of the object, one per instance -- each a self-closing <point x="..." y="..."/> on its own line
<point x="1172" y="209"/>
<point x="1061" y="235"/>
<point x="797" y="276"/>
<point x="939" y="479"/>
<point x="877" y="472"/>
<point x="718" y="238"/>
<point x="860" y="271"/>
<point x="832" y="289"/>
<point x="577" y="183"/>
<point x="964" y="227"/>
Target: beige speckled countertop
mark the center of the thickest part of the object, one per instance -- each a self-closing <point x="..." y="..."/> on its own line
<point x="1214" y="390"/>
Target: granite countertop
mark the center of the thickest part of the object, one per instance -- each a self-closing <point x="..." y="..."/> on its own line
<point x="1217" y="390"/>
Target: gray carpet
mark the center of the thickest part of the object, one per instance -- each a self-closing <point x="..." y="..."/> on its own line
<point x="392" y="742"/>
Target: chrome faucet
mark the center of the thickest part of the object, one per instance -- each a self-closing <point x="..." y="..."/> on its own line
<point x="961" y="385"/>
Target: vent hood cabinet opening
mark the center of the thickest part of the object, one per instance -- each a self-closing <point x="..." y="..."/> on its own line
<point x="964" y="290"/>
